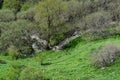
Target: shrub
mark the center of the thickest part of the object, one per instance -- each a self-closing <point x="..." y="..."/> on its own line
<point x="106" y="55"/>
<point x="74" y="9"/>
<point x="26" y="51"/>
<point x="116" y="13"/>
<point x="3" y="28"/>
<point x="97" y="20"/>
<point x="32" y="74"/>
<point x="6" y="15"/>
<point x="13" y="52"/>
<point x="55" y="39"/>
<point x="117" y="29"/>
<point x="17" y="65"/>
<point x="95" y="25"/>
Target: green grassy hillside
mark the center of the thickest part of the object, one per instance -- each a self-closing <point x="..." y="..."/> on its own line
<point x="74" y="64"/>
<point x="67" y="64"/>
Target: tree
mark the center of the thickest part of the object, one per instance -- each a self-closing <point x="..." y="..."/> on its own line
<point x="48" y="14"/>
<point x="17" y="34"/>
<point x="26" y="15"/>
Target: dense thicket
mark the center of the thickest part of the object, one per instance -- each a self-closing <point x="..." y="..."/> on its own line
<point x="53" y="21"/>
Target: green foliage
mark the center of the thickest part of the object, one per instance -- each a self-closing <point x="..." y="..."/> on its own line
<point x="49" y="10"/>
<point x="32" y="74"/>
<point x="96" y="24"/>
<point x="27" y="15"/>
<point x="17" y="65"/>
<point x="13" y="4"/>
<point x="18" y="5"/>
<point x="10" y="75"/>
<point x="18" y="34"/>
<point x="72" y="64"/>
<point x="91" y="17"/>
<point x="116" y="13"/>
<point x="117" y="28"/>
<point x="73" y="43"/>
<point x="27" y="5"/>
<point x="48" y="14"/>
<point x="2" y="61"/>
<point x="13" y="52"/>
<point x="55" y="39"/>
<point x="26" y="50"/>
<point x="6" y="15"/>
<point x="75" y="10"/>
<point x="55" y="20"/>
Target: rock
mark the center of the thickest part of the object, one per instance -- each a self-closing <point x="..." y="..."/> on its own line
<point x="103" y="68"/>
<point x="66" y="41"/>
<point x="39" y="45"/>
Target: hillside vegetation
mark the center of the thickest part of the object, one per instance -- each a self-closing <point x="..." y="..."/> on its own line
<point x="59" y="39"/>
<point x="69" y="64"/>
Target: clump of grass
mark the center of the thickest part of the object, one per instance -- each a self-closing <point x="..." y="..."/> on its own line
<point x="32" y="74"/>
<point x="106" y="55"/>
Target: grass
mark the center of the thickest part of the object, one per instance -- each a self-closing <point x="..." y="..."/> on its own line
<point x="72" y="63"/>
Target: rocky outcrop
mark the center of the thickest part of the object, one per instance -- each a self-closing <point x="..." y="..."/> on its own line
<point x="66" y="41"/>
<point x="38" y="45"/>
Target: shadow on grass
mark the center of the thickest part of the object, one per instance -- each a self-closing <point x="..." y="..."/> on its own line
<point x="73" y="43"/>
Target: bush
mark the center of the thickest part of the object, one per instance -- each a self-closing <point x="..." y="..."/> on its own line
<point x="55" y="39"/>
<point x="17" y="65"/>
<point x="95" y="25"/>
<point x="26" y="51"/>
<point x="32" y="74"/>
<point x="74" y="9"/>
<point x="117" y="29"/>
<point x="106" y="55"/>
<point x="116" y="13"/>
<point x="6" y="15"/>
<point x="98" y="20"/>
<point x="13" y="52"/>
<point x="3" y="28"/>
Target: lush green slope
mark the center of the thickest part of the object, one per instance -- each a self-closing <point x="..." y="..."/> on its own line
<point x="74" y="64"/>
<point x="69" y="64"/>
